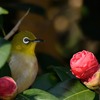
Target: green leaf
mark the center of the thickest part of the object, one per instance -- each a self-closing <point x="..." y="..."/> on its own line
<point x="59" y="89"/>
<point x="45" y="81"/>
<point x="36" y="94"/>
<point x="5" y="48"/>
<point x="72" y="89"/>
<point x="22" y="97"/>
<point x="62" y="72"/>
<point x="3" y="11"/>
<point x="76" y="91"/>
<point x="5" y="71"/>
<point x="96" y="97"/>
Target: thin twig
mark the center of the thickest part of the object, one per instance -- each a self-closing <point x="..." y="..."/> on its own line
<point x="12" y="32"/>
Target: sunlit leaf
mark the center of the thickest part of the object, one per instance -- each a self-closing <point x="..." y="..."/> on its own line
<point x="72" y="89"/>
<point x="76" y="91"/>
<point x="45" y="81"/>
<point x="5" y="47"/>
<point x="36" y="94"/>
<point x="3" y="11"/>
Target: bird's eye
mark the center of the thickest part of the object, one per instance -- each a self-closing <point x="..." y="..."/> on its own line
<point x="26" y="40"/>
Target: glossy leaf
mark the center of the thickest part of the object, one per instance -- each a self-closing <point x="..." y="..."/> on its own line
<point x="3" y="11"/>
<point x="36" y="94"/>
<point x="72" y="89"/>
<point x="21" y="97"/>
<point x="62" y="72"/>
<point x="59" y="89"/>
<point x="45" y="81"/>
<point x="76" y="91"/>
<point x="5" y="47"/>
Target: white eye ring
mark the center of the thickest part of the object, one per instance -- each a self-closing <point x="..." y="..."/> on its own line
<point x="26" y="40"/>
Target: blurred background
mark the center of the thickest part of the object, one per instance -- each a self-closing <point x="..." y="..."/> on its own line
<point x="67" y="26"/>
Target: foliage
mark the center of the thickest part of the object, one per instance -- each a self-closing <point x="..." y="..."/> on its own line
<point x="55" y="83"/>
<point x="4" y="51"/>
<point x="3" y="11"/>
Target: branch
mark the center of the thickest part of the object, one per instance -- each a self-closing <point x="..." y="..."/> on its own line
<point x="12" y="32"/>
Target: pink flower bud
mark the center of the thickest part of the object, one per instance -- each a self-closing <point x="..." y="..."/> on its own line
<point x="94" y="81"/>
<point x="84" y="64"/>
<point x="8" y="88"/>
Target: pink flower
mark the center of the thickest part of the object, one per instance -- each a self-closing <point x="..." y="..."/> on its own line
<point x="84" y="64"/>
<point x="94" y="81"/>
<point x="8" y="88"/>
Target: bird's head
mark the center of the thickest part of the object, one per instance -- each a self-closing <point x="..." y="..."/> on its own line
<point x="24" y="42"/>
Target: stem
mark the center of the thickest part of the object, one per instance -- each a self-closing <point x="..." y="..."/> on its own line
<point x="12" y="32"/>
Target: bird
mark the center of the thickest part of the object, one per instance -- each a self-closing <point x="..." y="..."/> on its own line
<point x="23" y="62"/>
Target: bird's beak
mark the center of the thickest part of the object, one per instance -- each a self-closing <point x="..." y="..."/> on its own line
<point x="37" y="40"/>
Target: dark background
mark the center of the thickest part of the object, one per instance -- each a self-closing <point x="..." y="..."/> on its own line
<point x="67" y="26"/>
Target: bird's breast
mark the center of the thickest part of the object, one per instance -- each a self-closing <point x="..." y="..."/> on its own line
<point x="23" y="69"/>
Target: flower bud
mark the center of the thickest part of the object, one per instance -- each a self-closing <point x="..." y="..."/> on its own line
<point x="8" y="88"/>
<point x="83" y="65"/>
<point x="94" y="81"/>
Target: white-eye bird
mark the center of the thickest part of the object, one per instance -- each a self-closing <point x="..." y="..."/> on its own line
<point x="23" y="62"/>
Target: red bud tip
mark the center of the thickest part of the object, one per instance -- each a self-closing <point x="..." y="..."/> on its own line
<point x="84" y="64"/>
<point x="8" y="88"/>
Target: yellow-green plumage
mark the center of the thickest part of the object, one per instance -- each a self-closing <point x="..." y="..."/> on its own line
<point x="23" y="62"/>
